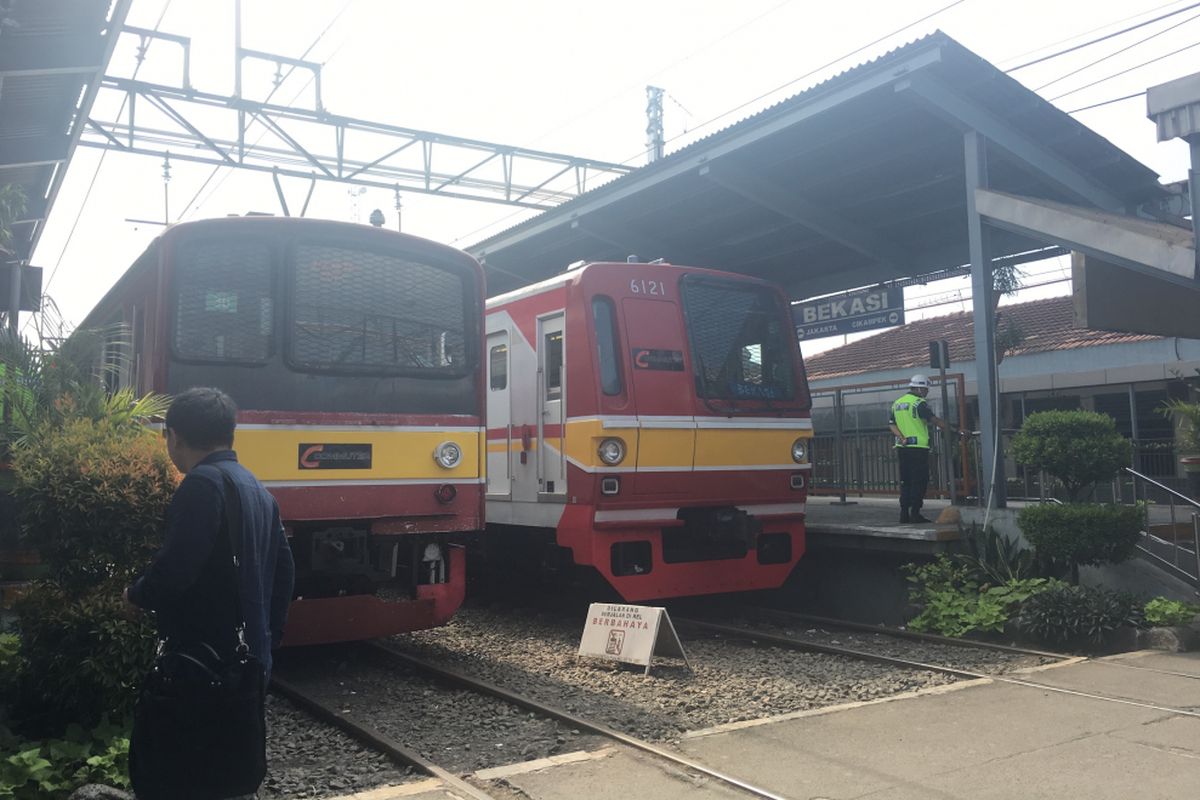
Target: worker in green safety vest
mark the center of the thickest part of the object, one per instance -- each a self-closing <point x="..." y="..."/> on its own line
<point x="909" y="420"/>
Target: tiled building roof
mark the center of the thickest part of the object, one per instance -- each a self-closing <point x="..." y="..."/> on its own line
<point x="1045" y="324"/>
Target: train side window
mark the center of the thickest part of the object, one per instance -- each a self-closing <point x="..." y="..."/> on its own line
<point x="224" y="306"/>
<point x="554" y="362"/>
<point x="498" y="367"/>
<point x="608" y="359"/>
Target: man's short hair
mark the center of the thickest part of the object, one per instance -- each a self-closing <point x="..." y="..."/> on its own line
<point x="204" y="418"/>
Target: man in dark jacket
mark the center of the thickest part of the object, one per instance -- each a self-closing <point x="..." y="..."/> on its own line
<point x="190" y="582"/>
<point x="185" y="583"/>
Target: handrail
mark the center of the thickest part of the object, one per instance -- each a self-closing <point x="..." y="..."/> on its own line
<point x="1166" y="489"/>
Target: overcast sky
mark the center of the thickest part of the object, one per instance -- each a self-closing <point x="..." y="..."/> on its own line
<point x="570" y="76"/>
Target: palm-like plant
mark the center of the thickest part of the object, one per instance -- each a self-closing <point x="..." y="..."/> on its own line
<point x="53" y="376"/>
<point x="1187" y="414"/>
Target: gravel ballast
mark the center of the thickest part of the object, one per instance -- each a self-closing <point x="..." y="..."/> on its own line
<point x="534" y="653"/>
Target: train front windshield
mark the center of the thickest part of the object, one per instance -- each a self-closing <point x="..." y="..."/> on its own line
<point x="739" y="341"/>
<point x="324" y="325"/>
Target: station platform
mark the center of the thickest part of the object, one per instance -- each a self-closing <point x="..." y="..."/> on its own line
<point x="974" y="740"/>
<point x="872" y="523"/>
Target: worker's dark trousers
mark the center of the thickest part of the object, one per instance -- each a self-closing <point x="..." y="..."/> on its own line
<point x="914" y="477"/>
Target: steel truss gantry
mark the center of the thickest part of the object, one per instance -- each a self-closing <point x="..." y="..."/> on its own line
<point x="184" y="124"/>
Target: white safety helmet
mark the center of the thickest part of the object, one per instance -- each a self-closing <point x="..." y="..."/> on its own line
<point x="919" y="381"/>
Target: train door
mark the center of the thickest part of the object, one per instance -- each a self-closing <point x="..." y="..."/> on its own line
<point x="499" y="417"/>
<point x="552" y="476"/>
<point x="662" y="388"/>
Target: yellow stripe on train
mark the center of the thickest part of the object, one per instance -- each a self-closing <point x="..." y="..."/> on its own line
<point x="684" y="447"/>
<point x="291" y="454"/>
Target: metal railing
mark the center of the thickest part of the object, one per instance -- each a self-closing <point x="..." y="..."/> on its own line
<point x="1171" y="538"/>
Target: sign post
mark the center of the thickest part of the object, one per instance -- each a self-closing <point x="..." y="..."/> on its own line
<point x="629" y="634"/>
<point x="939" y="359"/>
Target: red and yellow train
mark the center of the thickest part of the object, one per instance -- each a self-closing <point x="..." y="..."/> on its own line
<point x="653" y="420"/>
<point x="354" y="355"/>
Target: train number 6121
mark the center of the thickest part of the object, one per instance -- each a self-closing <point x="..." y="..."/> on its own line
<point x="653" y="288"/>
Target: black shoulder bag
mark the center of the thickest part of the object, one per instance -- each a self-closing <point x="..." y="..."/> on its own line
<point x="199" y="729"/>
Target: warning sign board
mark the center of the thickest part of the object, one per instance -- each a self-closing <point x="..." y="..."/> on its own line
<point x="630" y="634"/>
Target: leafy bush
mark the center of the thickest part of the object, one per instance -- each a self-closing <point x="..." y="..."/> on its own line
<point x="92" y="496"/>
<point x="1078" y="534"/>
<point x="994" y="558"/>
<point x="1078" y="616"/>
<point x="82" y="656"/>
<point x="1079" y="448"/>
<point x="1161" y="611"/>
<point x="50" y="770"/>
<point x="954" y="603"/>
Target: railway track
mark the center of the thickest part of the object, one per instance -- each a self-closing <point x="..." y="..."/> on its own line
<point x="381" y="742"/>
<point x="801" y="644"/>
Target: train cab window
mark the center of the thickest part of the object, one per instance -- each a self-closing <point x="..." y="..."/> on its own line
<point x="224" y="309"/>
<point x="355" y="310"/>
<point x="608" y="361"/>
<point x="554" y="363"/>
<point x="498" y="368"/>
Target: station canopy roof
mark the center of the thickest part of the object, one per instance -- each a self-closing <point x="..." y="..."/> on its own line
<point x="52" y="55"/>
<point x="856" y="181"/>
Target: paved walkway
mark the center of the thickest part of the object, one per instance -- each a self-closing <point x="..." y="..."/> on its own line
<point x="979" y="740"/>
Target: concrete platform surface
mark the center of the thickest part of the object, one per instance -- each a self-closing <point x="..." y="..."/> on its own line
<point x="975" y="741"/>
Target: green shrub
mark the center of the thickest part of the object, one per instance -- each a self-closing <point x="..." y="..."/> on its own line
<point x="1076" y="534"/>
<point x="1078" y="616"/>
<point x="994" y="558"/>
<point x="91" y="496"/>
<point x="1161" y="611"/>
<point x="953" y="602"/>
<point x="51" y="770"/>
<point x="83" y="657"/>
<point x="1079" y="448"/>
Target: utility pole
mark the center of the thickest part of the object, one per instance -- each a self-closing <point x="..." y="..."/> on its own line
<point x="654" y="123"/>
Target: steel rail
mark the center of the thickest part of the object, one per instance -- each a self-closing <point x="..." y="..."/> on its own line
<point x="800" y="644"/>
<point x="374" y="739"/>
<point x="578" y="722"/>
<point x="899" y="633"/>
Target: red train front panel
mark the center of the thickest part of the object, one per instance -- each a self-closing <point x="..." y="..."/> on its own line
<point x="656" y="419"/>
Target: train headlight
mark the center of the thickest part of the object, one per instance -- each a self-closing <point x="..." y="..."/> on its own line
<point x="611" y="451"/>
<point x="799" y="451"/>
<point x="447" y="455"/>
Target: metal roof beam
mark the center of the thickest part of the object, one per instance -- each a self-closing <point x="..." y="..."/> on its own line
<point x="1014" y="144"/>
<point x="673" y="167"/>
<point x="806" y="213"/>
<point x="34" y="152"/>
<point x="629" y="243"/>
<point x="62" y="54"/>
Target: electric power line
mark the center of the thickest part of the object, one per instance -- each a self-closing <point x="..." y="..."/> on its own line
<point x="1107" y="102"/>
<point x="812" y="72"/>
<point x="1104" y="38"/>
<point x="1125" y="71"/>
<point x="1096" y="29"/>
<point x="1114" y="53"/>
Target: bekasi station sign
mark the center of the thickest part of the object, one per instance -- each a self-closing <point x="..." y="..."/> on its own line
<point x="849" y="313"/>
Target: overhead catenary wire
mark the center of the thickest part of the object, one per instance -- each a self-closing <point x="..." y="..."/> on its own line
<point x="189" y="205"/>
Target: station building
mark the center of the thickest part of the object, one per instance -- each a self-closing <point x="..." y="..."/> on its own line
<point x="1045" y="363"/>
